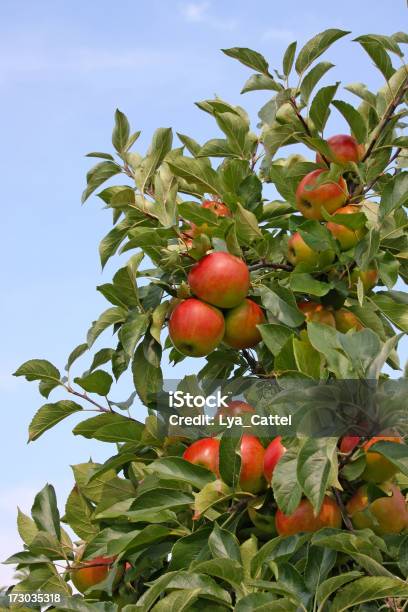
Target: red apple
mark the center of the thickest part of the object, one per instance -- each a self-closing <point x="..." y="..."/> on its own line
<point x="344" y="148"/>
<point x="90" y="573"/>
<point x="217" y="207"/>
<point x="220" y="279"/>
<point x="273" y="453"/>
<point x="204" y="452"/>
<point x="348" y="443"/>
<point x="384" y="515"/>
<point x="235" y="408"/>
<point x="312" y="198"/>
<point x="241" y="325"/>
<point x="300" y="252"/>
<point x="304" y="519"/>
<point x="317" y="313"/>
<point x="196" y="328"/>
<point x="347" y="237"/>
<point x="252" y="462"/>
<point x="378" y="468"/>
<point x="346" y="320"/>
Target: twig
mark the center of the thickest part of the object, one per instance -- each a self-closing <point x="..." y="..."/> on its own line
<point x="273" y="266"/>
<point x="253" y="364"/>
<point x="373" y="182"/>
<point x="86" y="397"/>
<point x="343" y="510"/>
<point x="386" y="117"/>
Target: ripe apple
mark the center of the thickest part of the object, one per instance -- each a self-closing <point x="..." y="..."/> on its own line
<point x="300" y="252"/>
<point x="348" y="443"/>
<point x="347" y="237"/>
<point x="304" y="519"/>
<point x="311" y="199"/>
<point x="317" y="313"/>
<point x="90" y="573"/>
<point x="273" y="453"/>
<point x="344" y="148"/>
<point x="346" y="320"/>
<point x="221" y="279"/>
<point x="252" y="463"/>
<point x="384" y="515"/>
<point x="368" y="277"/>
<point x="217" y="207"/>
<point x="204" y="452"/>
<point x="378" y="468"/>
<point x="241" y="325"/>
<point x="196" y="328"/>
<point x="235" y="408"/>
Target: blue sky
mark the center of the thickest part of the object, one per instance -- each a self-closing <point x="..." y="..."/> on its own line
<point x="64" y="68"/>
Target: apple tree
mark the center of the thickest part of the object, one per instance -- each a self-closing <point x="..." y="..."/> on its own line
<point x="280" y="270"/>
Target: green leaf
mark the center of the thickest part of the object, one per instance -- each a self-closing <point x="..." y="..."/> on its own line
<point x="45" y="511"/>
<point x="147" y="378"/>
<point x="246" y="225"/>
<point x="325" y="340"/>
<point x="307" y="359"/>
<point x="286" y="488"/>
<point x="225" y="569"/>
<point x="102" y="356"/>
<point x="79" y="515"/>
<point x="176" y="468"/>
<point x="262" y="602"/>
<point x="193" y="547"/>
<point x="303" y="282"/>
<point x="158" y="318"/>
<point x="197" y="172"/>
<point x="315" y="47"/>
<point x="176" y="601"/>
<point x="236" y="128"/>
<point x="249" y="58"/>
<point x="216" y="147"/>
<point x="192" y="211"/>
<point x="288" y="58"/>
<point x="107" y="318"/>
<point x="369" y="588"/>
<point x="230" y="460"/>
<point x="121" y="131"/>
<point x="314" y="467"/>
<point x="39" y="369"/>
<point x="275" y="336"/>
<point x="160" y="146"/>
<point x="27" y="528"/>
<point x="332" y="585"/>
<point x="224" y="545"/>
<point x="49" y="415"/>
<point x="191" y="145"/>
<point x="394" y="195"/>
<point x="75" y="354"/>
<point x="98" y="175"/>
<point x="132" y="330"/>
<point x="360" y="90"/>
<point x="100" y="155"/>
<point x="396" y="312"/>
<point x="378" y="54"/>
<point x="282" y="305"/>
<point x="319" y="109"/>
<point x="98" y="382"/>
<point x="259" y="82"/>
<point x="279" y="549"/>
<point x="397" y="454"/>
<point x="311" y="79"/>
<point x="356" y="122"/>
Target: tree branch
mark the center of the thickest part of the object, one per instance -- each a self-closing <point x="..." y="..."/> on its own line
<point x="86" y="397"/>
<point x="343" y="510"/>
<point x="386" y="118"/>
<point x="273" y="266"/>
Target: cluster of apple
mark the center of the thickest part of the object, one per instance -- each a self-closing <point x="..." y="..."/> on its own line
<point x="220" y="310"/>
<point x="311" y="199"/>
<point x="384" y="515"/>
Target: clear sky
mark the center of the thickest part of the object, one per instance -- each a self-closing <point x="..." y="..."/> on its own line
<point x="64" y="68"/>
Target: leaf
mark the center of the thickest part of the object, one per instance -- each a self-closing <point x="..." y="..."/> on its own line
<point x="158" y="318"/>
<point x="225" y="569"/>
<point x="282" y="305"/>
<point x="275" y="336"/>
<point x="303" y="282"/>
<point x="111" y="242"/>
<point x="397" y="454"/>
<point x="356" y="122"/>
<point x="319" y="109"/>
<point x="147" y="378"/>
<point x="40" y="369"/>
<point x="230" y="460"/>
<point x="332" y="585"/>
<point x="192" y="145"/>
<point x="98" y="382"/>
<point x="394" y="195"/>
<point x="378" y="54"/>
<point x="193" y="547"/>
<point x="45" y="511"/>
<point x="197" y="172"/>
<point x="27" y="528"/>
<point x="176" y="601"/>
<point x="236" y="129"/>
<point x="121" y="131"/>
<point x="79" y="515"/>
<point x="132" y="330"/>
<point x="98" y="175"/>
<point x="311" y="79"/>
<point x="224" y="545"/>
<point x="160" y="146"/>
<point x="107" y="318"/>
<point x="249" y="58"/>
<point x="75" y="354"/>
<point x="49" y="415"/>
<point x="102" y="356"/>
<point x="281" y="549"/>
<point x="314" y="468"/>
<point x="307" y="359"/>
<point x="396" y="312"/>
<point x="285" y="485"/>
<point x="288" y="58"/>
<point x="257" y="82"/>
<point x="100" y="155"/>
<point x="368" y="588"/>
<point x="246" y="225"/>
<point x="176" y="468"/>
<point x="360" y="90"/>
<point x="316" y="46"/>
<point x="192" y="211"/>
